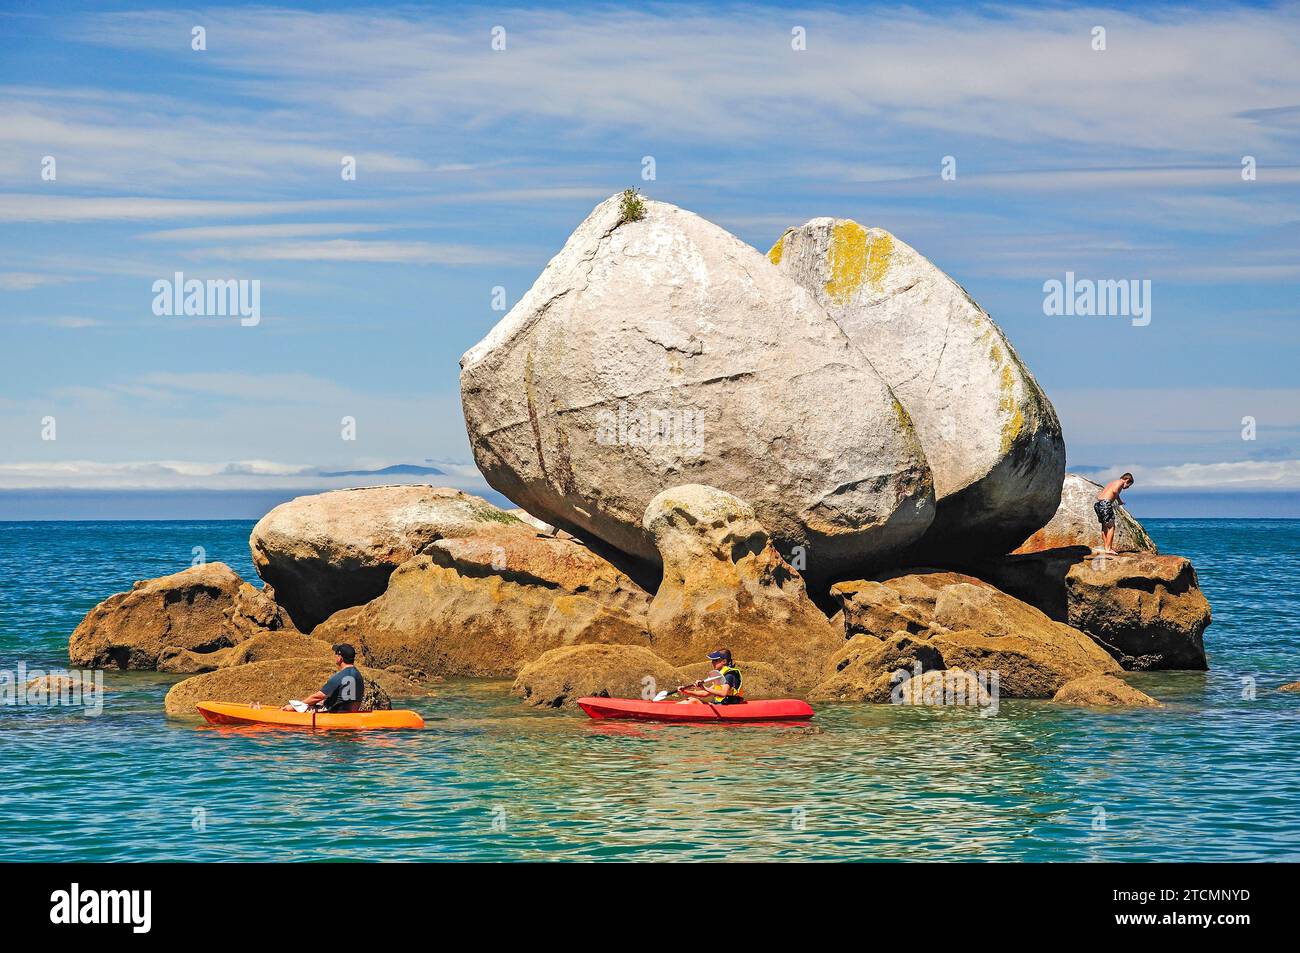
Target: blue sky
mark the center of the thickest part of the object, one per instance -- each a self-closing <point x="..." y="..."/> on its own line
<point x="473" y="165"/>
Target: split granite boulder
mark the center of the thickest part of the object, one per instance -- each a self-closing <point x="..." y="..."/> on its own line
<point x="485" y="605"/>
<point x="664" y="350"/>
<point x="328" y="551"/>
<point x="990" y="435"/>
<point x="724" y="584"/>
<point x="201" y="609"/>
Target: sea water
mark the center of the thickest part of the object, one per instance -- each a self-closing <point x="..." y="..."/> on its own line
<point x="1215" y="775"/>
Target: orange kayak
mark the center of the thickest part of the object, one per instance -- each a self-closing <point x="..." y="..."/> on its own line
<point x="231" y="713"/>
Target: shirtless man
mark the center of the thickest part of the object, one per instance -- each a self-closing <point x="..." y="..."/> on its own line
<point x="1105" y="510"/>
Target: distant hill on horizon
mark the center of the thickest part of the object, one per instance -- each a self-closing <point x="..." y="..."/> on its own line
<point x="397" y="469"/>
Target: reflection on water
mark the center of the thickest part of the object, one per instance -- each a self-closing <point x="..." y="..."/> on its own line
<point x="1213" y="776"/>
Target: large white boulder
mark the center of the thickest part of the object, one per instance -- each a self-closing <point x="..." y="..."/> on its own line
<point x="990" y="435"/>
<point x="664" y="351"/>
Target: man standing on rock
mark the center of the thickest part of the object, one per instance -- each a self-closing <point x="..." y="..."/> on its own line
<point x="342" y="693"/>
<point x="1105" y="509"/>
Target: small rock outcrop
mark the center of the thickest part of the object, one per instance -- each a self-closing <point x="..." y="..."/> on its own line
<point x="725" y="585"/>
<point x="663" y="351"/>
<point x="930" y="620"/>
<point x="329" y="551"/>
<point x="258" y="648"/>
<point x="864" y="670"/>
<point x="1147" y="610"/>
<point x="1104" y="691"/>
<point x="558" y="678"/>
<point x="990" y="435"/>
<point x="200" y="610"/>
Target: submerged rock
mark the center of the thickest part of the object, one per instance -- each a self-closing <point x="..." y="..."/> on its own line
<point x="276" y="681"/>
<point x="665" y="351"/>
<point x="328" y="551"/>
<point x="485" y="605"/>
<point x="990" y="435"/>
<point x="200" y="610"/>
<point x="1148" y="611"/>
<point x="725" y="585"/>
<point x="1075" y="523"/>
<point x="1104" y="691"/>
<point x="559" y="677"/>
<point x="62" y="685"/>
<point x="950" y="686"/>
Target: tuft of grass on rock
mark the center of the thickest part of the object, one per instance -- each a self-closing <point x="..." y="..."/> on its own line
<point x="631" y="208"/>
<point x="493" y="515"/>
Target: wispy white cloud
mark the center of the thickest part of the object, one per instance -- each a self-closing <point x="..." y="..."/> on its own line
<point x="349" y="250"/>
<point x="27" y="280"/>
<point x="1230" y="475"/>
<point x="1018" y="75"/>
<point x="220" y="233"/>
<point x="29" y="207"/>
<point x="221" y="475"/>
<point x="71" y="321"/>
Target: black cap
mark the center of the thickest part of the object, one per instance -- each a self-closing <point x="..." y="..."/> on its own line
<point x="345" y="652"/>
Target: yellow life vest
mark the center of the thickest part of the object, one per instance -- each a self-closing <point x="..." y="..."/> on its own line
<point x="739" y="692"/>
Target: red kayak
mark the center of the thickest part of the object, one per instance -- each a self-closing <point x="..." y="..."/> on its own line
<point x="782" y="709"/>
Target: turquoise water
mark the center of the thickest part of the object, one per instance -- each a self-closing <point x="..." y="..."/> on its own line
<point x="1214" y="776"/>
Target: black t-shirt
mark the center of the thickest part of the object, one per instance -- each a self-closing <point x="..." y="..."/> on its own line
<point x="344" y="690"/>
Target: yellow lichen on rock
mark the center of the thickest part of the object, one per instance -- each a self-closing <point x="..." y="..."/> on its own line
<point x="854" y="257"/>
<point x="774" y="253"/>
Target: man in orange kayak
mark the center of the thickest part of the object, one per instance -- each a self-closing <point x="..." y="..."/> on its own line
<point x="721" y="688"/>
<point x="343" y="691"/>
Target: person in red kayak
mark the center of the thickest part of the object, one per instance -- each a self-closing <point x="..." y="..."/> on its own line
<point x="721" y="688"/>
<point x="343" y="691"/>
